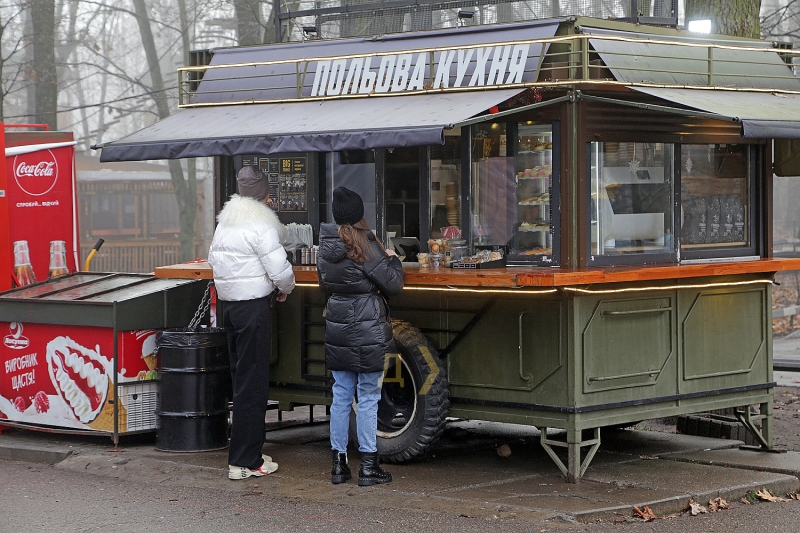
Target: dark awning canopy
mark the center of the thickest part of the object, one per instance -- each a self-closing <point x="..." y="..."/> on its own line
<point x="763" y="115"/>
<point x="738" y="87"/>
<point x="315" y="126"/>
<point x="263" y="99"/>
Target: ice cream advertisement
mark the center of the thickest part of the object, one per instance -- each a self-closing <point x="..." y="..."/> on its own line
<point x="63" y="376"/>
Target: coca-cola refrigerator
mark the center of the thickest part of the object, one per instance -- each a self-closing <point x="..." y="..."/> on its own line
<point x="38" y="206"/>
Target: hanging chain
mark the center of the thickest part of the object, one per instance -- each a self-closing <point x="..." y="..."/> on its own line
<point x="202" y="309"/>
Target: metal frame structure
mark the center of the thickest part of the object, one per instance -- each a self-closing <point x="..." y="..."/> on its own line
<point x="569" y="56"/>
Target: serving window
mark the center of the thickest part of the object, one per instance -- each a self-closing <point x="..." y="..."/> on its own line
<point x="662" y="202"/>
<point x="632" y="210"/>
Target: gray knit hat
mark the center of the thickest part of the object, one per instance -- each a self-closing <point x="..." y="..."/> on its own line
<point x="252" y="183"/>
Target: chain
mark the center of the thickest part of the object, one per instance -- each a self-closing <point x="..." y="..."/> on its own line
<point x="202" y="309"/>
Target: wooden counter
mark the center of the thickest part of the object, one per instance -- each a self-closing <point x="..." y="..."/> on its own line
<point x="529" y="277"/>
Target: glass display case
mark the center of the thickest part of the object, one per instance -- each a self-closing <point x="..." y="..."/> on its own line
<point x="535" y="195"/>
<point x="715" y="200"/>
<point x="515" y="191"/>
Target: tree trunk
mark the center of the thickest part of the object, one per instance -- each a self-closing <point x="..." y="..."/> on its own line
<point x="44" y="62"/>
<point x="185" y="193"/>
<point x="728" y="17"/>
<point x="248" y="21"/>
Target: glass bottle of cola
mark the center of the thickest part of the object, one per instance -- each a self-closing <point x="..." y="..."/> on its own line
<point x="23" y="271"/>
<point x="58" y="259"/>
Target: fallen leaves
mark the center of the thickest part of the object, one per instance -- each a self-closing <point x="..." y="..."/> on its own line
<point x="645" y="513"/>
<point x="715" y="504"/>
<point x="695" y="508"/>
<point x="767" y="496"/>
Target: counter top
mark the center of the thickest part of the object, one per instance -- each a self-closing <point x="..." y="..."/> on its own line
<point x="529" y="277"/>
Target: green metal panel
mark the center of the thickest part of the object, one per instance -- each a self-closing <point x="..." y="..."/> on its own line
<point x="528" y="359"/>
<point x="628" y="343"/>
<point x="723" y="338"/>
<point x="514" y="353"/>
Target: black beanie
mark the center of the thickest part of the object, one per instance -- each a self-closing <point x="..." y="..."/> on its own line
<point x="347" y="207"/>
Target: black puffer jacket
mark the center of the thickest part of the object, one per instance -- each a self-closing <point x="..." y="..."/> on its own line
<point x="358" y="330"/>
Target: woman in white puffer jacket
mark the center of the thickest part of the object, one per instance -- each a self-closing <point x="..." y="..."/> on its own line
<point x="246" y="253"/>
<point x="249" y="265"/>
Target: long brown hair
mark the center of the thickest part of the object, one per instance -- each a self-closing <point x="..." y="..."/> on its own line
<point x="356" y="239"/>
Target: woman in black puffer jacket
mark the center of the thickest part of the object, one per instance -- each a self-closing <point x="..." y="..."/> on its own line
<point x="357" y="274"/>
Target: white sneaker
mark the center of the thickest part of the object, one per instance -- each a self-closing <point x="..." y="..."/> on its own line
<point x="241" y="472"/>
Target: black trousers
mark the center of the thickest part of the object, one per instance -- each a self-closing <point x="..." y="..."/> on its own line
<point x="247" y="325"/>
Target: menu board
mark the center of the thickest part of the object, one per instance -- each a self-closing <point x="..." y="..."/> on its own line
<point x="288" y="179"/>
<point x="270" y="169"/>
<point x="292" y="184"/>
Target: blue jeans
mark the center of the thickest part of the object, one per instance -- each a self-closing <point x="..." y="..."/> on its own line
<point x="369" y="392"/>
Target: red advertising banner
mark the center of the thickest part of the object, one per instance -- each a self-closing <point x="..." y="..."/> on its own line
<point x="62" y="376"/>
<point x="42" y="211"/>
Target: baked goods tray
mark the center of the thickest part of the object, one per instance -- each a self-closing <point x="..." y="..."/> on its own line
<point x="499" y="263"/>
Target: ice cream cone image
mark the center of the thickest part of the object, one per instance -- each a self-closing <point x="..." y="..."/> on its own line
<point x="149" y="352"/>
<point x="105" y="419"/>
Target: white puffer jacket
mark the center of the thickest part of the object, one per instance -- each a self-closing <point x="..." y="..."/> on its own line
<point x="246" y="253"/>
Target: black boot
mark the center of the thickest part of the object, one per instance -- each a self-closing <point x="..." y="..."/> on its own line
<point x="340" y="472"/>
<point x="371" y="472"/>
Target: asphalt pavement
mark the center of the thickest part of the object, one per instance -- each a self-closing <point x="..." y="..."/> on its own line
<point x="465" y="476"/>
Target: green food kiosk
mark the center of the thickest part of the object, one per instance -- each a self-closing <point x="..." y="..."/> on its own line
<point x="597" y="197"/>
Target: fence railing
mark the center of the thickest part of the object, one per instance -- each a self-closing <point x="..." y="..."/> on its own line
<point x="569" y="59"/>
<point x="136" y="257"/>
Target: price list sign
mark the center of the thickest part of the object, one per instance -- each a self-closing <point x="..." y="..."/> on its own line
<point x="293" y="193"/>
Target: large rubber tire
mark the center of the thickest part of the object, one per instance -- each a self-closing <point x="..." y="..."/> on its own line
<point x="412" y="412"/>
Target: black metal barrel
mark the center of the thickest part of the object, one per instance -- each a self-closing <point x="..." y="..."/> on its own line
<point x="195" y="386"/>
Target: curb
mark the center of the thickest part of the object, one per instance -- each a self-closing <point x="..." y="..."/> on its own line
<point x="677" y="504"/>
<point x="32" y="453"/>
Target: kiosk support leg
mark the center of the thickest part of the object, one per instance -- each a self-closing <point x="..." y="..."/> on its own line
<point x="748" y="420"/>
<point x="575" y="468"/>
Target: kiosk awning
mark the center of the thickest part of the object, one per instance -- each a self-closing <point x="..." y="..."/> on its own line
<point x="763" y="115"/>
<point x="674" y="64"/>
<point x="314" y="126"/>
<point x="741" y="77"/>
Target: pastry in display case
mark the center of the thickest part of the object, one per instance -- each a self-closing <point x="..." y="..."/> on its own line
<point x="534" y="183"/>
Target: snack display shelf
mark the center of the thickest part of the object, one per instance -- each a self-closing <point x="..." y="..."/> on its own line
<point x="533" y="228"/>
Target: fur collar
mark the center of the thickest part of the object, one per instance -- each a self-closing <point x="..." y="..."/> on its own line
<point x="244" y="211"/>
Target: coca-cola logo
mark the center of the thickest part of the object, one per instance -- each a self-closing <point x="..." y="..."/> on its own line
<point x="36" y="173"/>
<point x="16" y="340"/>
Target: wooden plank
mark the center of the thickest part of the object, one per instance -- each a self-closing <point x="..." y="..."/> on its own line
<point x="193" y="270"/>
<point x="529" y="277"/>
<point x="588" y="276"/>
